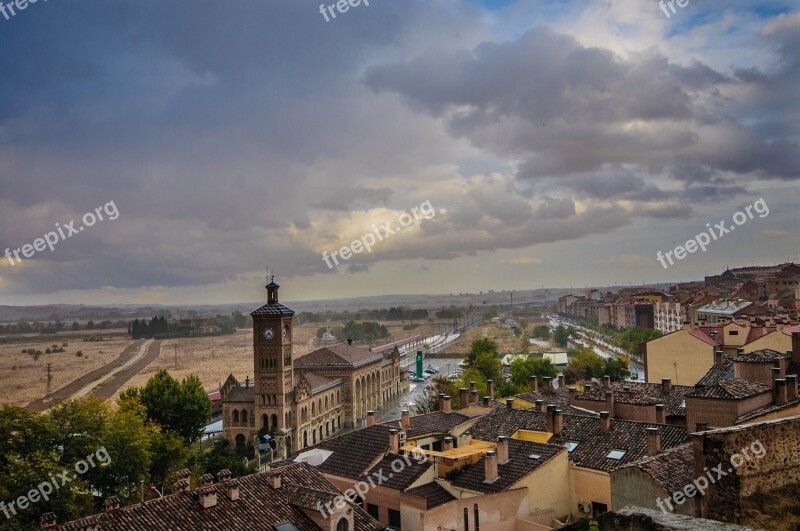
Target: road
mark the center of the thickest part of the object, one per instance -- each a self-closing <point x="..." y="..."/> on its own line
<point x="600" y="344"/>
<point x="89" y="388"/>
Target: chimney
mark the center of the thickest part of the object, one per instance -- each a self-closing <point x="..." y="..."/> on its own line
<point x="534" y="383"/>
<point x="653" y="442"/>
<point x="446" y="407"/>
<point x="558" y="422"/>
<point x="182" y="485"/>
<point x="606" y="382"/>
<point x="111" y="504"/>
<point x="275" y="480"/>
<point x="207" y="496"/>
<point x="780" y="391"/>
<point x="232" y="489"/>
<point x="571" y="396"/>
<point x="448" y="443"/>
<point x="739" y="351"/>
<point x="796" y="349"/>
<point x="394" y="441"/>
<point x="547" y="384"/>
<point x="473" y="397"/>
<point x="791" y="388"/>
<point x="610" y="402"/>
<point x="206" y="480"/>
<point x="370" y="418"/>
<point x="551" y="418"/>
<point x="776" y="373"/>
<point x="47" y="520"/>
<point x="718" y="358"/>
<point x="405" y="419"/>
<point x="509" y="403"/>
<point x="349" y="340"/>
<point x="441" y="401"/>
<point x="487" y="401"/>
<point x="502" y="450"/>
<point x="490" y="388"/>
<point x="666" y="385"/>
<point x="660" y="416"/>
<point x="473" y="387"/>
<point x="463" y="396"/>
<point x="605" y="421"/>
<point x="539" y="405"/>
<point x="223" y="475"/>
<point x="562" y="381"/>
<point x="247" y="382"/>
<point x="490" y="467"/>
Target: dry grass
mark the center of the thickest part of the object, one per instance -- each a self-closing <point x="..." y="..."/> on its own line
<point x="24" y="379"/>
<point x="212" y="359"/>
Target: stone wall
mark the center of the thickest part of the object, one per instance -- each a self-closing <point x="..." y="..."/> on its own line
<point x="776" y="440"/>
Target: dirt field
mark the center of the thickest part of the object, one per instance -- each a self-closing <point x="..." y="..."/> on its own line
<point x="24" y="379"/>
<point x="507" y="342"/>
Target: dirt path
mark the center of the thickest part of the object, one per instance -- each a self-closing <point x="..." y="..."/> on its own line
<point x="76" y="385"/>
<point x="108" y="388"/>
<point x="113" y="380"/>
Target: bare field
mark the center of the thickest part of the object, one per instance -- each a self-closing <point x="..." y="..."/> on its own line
<point x="24" y="379"/>
<point x="507" y="342"/>
<point x="212" y="359"/>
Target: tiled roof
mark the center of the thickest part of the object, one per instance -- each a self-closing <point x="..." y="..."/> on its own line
<point x="735" y="389"/>
<point x="390" y="478"/>
<point x="272" y="309"/>
<point x="673" y="401"/>
<point x="240" y="394"/>
<point x="595" y="444"/>
<point x="672" y="469"/>
<point x="339" y="354"/>
<point x="355" y="452"/>
<point x="437" y="422"/>
<point x="717" y="374"/>
<point x="761" y="356"/>
<point x="559" y="397"/>
<point x="701" y="335"/>
<point x="317" y="380"/>
<point x="259" y="506"/>
<point x="433" y="493"/>
<point x="771" y="408"/>
<point x="519" y="465"/>
<point x="623" y="397"/>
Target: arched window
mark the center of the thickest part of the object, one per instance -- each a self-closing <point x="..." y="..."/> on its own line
<point x="274" y="421"/>
<point x="326" y="404"/>
<point x="313" y="409"/>
<point x="327" y="428"/>
<point x="264" y="421"/>
<point x="236" y="415"/>
<point x="244" y="416"/>
<point x="339" y="422"/>
<point x="343" y="525"/>
<point x="305" y="439"/>
<point x="314" y="437"/>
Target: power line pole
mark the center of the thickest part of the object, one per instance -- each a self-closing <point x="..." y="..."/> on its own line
<point x="176" y="356"/>
<point x="49" y="379"/>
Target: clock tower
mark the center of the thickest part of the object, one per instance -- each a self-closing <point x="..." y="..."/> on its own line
<point x="274" y="375"/>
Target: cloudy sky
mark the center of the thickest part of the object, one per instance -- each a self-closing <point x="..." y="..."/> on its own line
<point x="559" y="143"/>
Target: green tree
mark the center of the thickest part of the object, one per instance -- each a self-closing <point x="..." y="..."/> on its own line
<point x="160" y="397"/>
<point x="168" y="454"/>
<point x="561" y="335"/>
<point x="523" y="368"/>
<point x="617" y="369"/>
<point x="584" y="365"/>
<point x="128" y="443"/>
<point x="428" y="401"/>
<point x="541" y="332"/>
<point x="489" y="366"/>
<point x="194" y="408"/>
<point x="479" y="346"/>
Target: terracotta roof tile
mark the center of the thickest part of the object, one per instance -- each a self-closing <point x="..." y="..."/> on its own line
<point x="594" y="444"/>
<point x="671" y="470"/>
<point x="433" y="493"/>
<point x="735" y="389"/>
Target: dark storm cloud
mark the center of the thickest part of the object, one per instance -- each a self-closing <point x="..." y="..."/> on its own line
<point x="565" y="108"/>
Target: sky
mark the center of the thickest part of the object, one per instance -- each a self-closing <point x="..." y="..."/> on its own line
<point x="522" y="143"/>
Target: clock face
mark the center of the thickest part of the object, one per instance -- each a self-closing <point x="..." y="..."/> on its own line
<point x="269" y="333"/>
